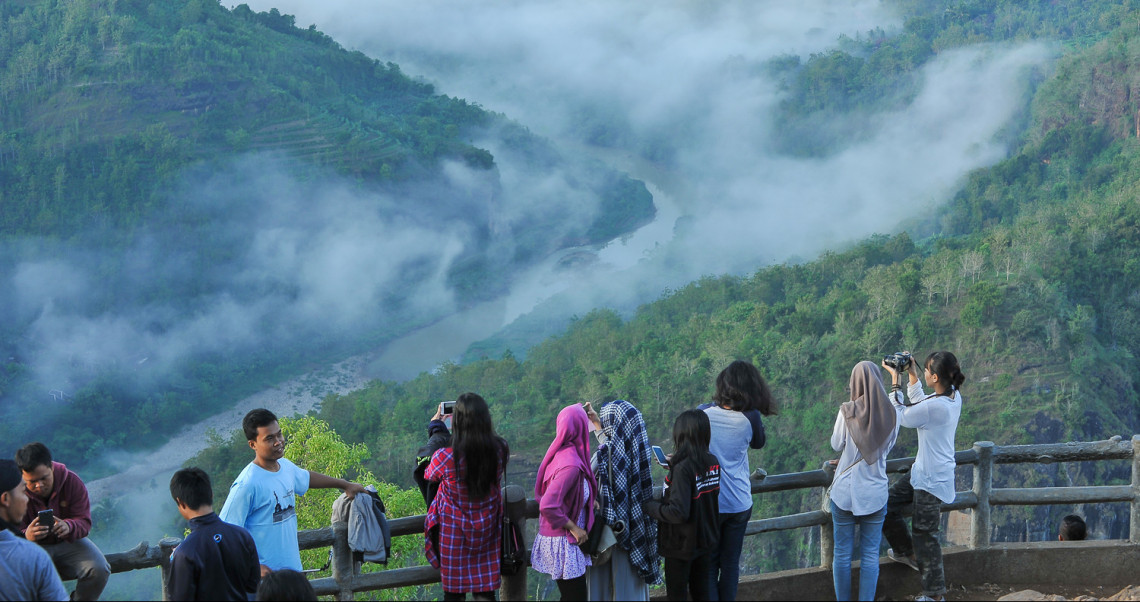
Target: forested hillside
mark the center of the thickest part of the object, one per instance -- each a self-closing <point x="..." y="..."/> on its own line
<point x="168" y="168"/>
<point x="1030" y="274"/>
<point x="103" y="101"/>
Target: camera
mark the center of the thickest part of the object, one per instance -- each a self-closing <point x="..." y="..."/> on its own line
<point x="899" y="361"/>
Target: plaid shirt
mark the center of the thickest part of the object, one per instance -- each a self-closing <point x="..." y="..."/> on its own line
<point x="468" y="556"/>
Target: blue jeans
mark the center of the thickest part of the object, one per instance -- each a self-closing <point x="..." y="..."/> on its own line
<point x="870" y="534"/>
<point x="724" y="561"/>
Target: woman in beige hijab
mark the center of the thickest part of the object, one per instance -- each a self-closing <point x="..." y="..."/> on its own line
<point x="865" y="431"/>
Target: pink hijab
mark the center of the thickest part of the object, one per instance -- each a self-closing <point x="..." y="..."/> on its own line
<point x="571" y="447"/>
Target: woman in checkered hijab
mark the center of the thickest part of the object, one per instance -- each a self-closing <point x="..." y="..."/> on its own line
<point x="624" y="458"/>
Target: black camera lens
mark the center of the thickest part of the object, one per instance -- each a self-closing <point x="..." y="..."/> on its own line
<point x="898" y="361"/>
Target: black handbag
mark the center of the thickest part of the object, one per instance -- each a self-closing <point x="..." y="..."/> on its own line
<point x="514" y="551"/>
<point x="513" y="557"/>
<point x="596" y="535"/>
<point x="599" y="544"/>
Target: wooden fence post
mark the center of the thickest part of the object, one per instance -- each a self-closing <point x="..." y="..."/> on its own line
<point x="826" y="536"/>
<point x="342" y="563"/>
<point x="1134" y="527"/>
<point x="980" y="521"/>
<point x="166" y="547"/>
<point x="514" y="504"/>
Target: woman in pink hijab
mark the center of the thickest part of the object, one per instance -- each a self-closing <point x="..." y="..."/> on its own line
<point x="565" y="490"/>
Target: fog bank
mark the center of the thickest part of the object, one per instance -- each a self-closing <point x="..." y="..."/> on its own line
<point x="686" y="85"/>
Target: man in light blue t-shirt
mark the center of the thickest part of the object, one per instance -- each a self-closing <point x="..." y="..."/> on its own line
<point x="263" y="497"/>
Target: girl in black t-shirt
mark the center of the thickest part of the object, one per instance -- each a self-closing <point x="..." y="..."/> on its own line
<point x="689" y="510"/>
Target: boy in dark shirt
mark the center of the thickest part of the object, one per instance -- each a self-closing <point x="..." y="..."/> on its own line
<point x="217" y="561"/>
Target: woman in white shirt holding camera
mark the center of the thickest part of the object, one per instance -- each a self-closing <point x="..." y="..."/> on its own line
<point x="930" y="482"/>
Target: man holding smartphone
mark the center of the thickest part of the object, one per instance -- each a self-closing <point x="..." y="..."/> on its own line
<point x="51" y="486"/>
<point x="26" y="571"/>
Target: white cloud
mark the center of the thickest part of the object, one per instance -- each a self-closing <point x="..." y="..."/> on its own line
<point x="691" y="75"/>
<point x="323" y="259"/>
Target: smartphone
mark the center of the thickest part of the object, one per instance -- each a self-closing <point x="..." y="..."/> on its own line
<point x="660" y="455"/>
<point x="448" y="408"/>
<point x="47" y="518"/>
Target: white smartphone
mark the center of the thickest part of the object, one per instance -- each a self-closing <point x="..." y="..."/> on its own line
<point x="660" y="455"/>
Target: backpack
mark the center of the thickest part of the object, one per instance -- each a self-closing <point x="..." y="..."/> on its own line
<point x="438" y="438"/>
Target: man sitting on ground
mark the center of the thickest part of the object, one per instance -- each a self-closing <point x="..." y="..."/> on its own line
<point x="217" y="561"/>
<point x="26" y="571"/>
<point x="52" y="486"/>
<point x="1072" y="528"/>
<point x="262" y="498"/>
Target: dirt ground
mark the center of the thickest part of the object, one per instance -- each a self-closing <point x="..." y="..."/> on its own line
<point x="990" y="591"/>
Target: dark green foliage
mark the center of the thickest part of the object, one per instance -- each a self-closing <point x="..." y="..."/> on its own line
<point x="102" y="103"/>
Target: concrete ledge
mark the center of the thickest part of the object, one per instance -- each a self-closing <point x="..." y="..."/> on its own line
<point x="1032" y="565"/>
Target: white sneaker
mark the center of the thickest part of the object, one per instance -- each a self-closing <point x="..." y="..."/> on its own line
<point x="926" y="598"/>
<point x="904" y="560"/>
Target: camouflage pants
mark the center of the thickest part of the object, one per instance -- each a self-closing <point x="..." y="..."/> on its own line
<point x="926" y="520"/>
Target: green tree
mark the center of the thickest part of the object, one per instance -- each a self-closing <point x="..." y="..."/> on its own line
<point x="314" y="446"/>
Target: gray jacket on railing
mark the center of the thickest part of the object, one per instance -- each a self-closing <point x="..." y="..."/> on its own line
<point x="368" y="531"/>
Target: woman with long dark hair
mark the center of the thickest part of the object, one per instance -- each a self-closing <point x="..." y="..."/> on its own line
<point x="930" y="482"/>
<point x="464" y="522"/>
<point x="741" y="397"/>
<point x="688" y="512"/>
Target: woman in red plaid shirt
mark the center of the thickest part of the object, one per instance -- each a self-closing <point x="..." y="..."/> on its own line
<point x="464" y="521"/>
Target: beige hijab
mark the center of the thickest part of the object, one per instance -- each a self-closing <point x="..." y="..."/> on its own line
<point x="870" y="417"/>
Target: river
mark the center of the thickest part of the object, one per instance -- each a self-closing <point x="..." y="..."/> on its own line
<point x="407" y="356"/>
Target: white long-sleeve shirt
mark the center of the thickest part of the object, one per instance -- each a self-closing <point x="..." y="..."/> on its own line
<point x="936" y="419"/>
<point x="862" y="490"/>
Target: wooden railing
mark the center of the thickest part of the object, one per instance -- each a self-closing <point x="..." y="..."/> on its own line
<point x="347" y="580"/>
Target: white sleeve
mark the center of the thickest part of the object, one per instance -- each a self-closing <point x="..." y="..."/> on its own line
<point x="915" y="416"/>
<point x="839" y="433"/>
<point x="915" y="392"/>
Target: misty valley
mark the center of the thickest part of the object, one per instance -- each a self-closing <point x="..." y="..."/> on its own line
<point x="201" y="204"/>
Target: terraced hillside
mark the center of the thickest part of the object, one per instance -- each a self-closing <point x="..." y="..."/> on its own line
<point x="167" y="164"/>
